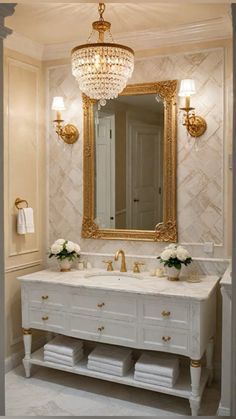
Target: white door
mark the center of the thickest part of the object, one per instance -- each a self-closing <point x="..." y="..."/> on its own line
<point x="105" y="172"/>
<point x="145" y="158"/>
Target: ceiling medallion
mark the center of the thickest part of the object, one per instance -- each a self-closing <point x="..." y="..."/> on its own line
<point x="102" y="69"/>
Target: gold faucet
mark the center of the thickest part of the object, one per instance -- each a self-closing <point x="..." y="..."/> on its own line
<point x="123" y="264"/>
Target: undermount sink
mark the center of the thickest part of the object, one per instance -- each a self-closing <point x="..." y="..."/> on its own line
<point x="113" y="276"/>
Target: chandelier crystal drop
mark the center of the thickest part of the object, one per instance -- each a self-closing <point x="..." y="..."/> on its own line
<point x="102" y="69"/>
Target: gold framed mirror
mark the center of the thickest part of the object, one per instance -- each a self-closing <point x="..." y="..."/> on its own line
<point x="107" y="172"/>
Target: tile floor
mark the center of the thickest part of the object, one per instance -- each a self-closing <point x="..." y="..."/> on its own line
<point x="55" y="393"/>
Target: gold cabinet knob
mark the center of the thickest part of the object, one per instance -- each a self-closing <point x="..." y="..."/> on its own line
<point x="165" y="313"/>
<point x="166" y="338"/>
<point x="44" y="297"/>
<point x="109" y="265"/>
<point x="100" y="329"/>
<point x="100" y="305"/>
<point x="45" y="318"/>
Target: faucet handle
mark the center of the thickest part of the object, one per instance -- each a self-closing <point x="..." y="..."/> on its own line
<point x="136" y="267"/>
<point x="109" y="265"/>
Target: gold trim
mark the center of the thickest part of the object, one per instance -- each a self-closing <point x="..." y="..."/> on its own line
<point x="102" y="44"/>
<point x="27" y="331"/>
<point x="165" y="231"/>
<point x="195" y="363"/>
<point x="196" y="126"/>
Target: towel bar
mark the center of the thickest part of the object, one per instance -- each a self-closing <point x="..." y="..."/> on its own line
<point x="19" y="201"/>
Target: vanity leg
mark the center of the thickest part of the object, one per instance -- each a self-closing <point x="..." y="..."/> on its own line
<point x="209" y="360"/>
<point x="195" y="372"/>
<point x="27" y="336"/>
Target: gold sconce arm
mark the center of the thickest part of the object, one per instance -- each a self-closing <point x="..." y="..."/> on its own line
<point x="68" y="133"/>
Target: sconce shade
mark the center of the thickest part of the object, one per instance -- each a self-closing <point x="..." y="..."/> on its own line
<point x="58" y="103"/>
<point x="187" y="87"/>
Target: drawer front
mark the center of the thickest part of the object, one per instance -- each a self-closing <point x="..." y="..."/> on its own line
<point x="53" y="321"/>
<point x="165" y="312"/>
<point x="165" y="339"/>
<point x="104" y="304"/>
<point x="44" y="297"/>
<point x="103" y="330"/>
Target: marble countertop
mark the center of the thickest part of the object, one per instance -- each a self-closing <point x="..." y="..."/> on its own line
<point x="227" y="277"/>
<point x="141" y="283"/>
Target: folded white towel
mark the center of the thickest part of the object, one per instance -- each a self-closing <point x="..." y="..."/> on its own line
<point x="153" y="382"/>
<point x="157" y="364"/>
<point x="70" y="363"/>
<point x="113" y="368"/>
<point x="108" y="370"/>
<point x="110" y="354"/>
<point x="68" y="358"/>
<point x="155" y="377"/>
<point x="63" y="345"/>
<point x="25" y="221"/>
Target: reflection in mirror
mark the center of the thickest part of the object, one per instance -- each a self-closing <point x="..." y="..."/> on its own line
<point x="129" y="145"/>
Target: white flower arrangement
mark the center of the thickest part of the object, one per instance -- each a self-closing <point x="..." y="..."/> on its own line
<point x="174" y="255"/>
<point x="64" y="249"/>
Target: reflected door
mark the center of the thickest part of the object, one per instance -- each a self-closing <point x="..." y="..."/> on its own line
<point x="145" y="160"/>
<point x="105" y="172"/>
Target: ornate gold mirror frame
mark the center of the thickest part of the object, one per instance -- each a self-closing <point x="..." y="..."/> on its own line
<point x="165" y="231"/>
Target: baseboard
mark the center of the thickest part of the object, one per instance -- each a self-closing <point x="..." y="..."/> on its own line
<point x="223" y="411"/>
<point x="15" y="359"/>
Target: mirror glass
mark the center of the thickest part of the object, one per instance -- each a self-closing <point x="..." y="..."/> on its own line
<point x="128" y="162"/>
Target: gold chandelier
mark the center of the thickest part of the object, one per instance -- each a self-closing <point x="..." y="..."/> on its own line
<point x="102" y="69"/>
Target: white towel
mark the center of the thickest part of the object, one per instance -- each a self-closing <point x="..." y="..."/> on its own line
<point x="110" y="354"/>
<point x="153" y="382"/>
<point x="126" y="365"/>
<point x="75" y="357"/>
<point x="25" y="221"/>
<point x="70" y="363"/>
<point x="64" y="345"/>
<point x="157" y="364"/>
<point x="113" y="370"/>
<point x="157" y="378"/>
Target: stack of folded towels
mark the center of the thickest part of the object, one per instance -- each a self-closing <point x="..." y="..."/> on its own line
<point x="110" y="360"/>
<point x="157" y="369"/>
<point x="63" y="350"/>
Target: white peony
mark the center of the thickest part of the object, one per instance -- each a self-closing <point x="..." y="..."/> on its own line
<point x="70" y="247"/>
<point x="182" y="254"/>
<point x="60" y="241"/>
<point x="167" y="254"/>
<point x="56" y="248"/>
<point x="172" y="246"/>
<point x="77" y="248"/>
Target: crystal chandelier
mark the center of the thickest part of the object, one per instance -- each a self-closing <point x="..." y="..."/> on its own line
<point x="102" y="69"/>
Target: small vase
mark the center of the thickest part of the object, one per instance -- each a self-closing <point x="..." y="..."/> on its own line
<point x="65" y="265"/>
<point x="173" y="273"/>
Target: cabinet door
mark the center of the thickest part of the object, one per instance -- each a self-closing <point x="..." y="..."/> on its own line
<point x="165" y="339"/>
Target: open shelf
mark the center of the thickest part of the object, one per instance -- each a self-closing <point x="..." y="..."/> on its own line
<point x="182" y="388"/>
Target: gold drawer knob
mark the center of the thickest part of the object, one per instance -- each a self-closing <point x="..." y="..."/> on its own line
<point x="165" y="313"/>
<point x="100" y="329"/>
<point x="100" y="305"/>
<point x="45" y="318"/>
<point x="44" y="297"/>
<point x="166" y="338"/>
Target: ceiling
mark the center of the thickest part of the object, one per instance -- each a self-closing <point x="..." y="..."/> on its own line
<point x="56" y="23"/>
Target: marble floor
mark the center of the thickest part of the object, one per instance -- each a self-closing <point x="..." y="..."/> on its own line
<point x="55" y="393"/>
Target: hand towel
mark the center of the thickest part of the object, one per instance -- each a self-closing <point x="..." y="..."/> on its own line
<point x="156" y="377"/>
<point x="111" y="370"/>
<point x="110" y="354"/>
<point x="25" y="221"/>
<point x="70" y="363"/>
<point x="77" y="355"/>
<point x="153" y="382"/>
<point x="157" y="364"/>
<point x="64" y="345"/>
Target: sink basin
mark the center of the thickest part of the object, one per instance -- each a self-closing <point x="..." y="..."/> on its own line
<point x="113" y="276"/>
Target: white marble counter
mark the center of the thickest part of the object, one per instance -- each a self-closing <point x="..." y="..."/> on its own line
<point x="137" y="283"/>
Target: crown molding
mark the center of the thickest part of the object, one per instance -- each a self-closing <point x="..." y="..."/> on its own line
<point x="24" y="45"/>
<point x="208" y="30"/>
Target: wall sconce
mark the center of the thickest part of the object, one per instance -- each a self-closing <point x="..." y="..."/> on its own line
<point x="68" y="133"/>
<point x="195" y="124"/>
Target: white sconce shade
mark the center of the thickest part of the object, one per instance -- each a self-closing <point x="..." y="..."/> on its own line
<point x="187" y="87"/>
<point x="58" y="103"/>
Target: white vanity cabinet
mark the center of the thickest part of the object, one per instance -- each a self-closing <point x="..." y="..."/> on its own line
<point x="146" y="313"/>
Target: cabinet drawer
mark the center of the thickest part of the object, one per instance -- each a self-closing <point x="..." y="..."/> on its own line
<point x="102" y="330"/>
<point x="46" y="298"/>
<point x="53" y="321"/>
<point x="165" y="339"/>
<point x="165" y="312"/>
<point x="104" y="304"/>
